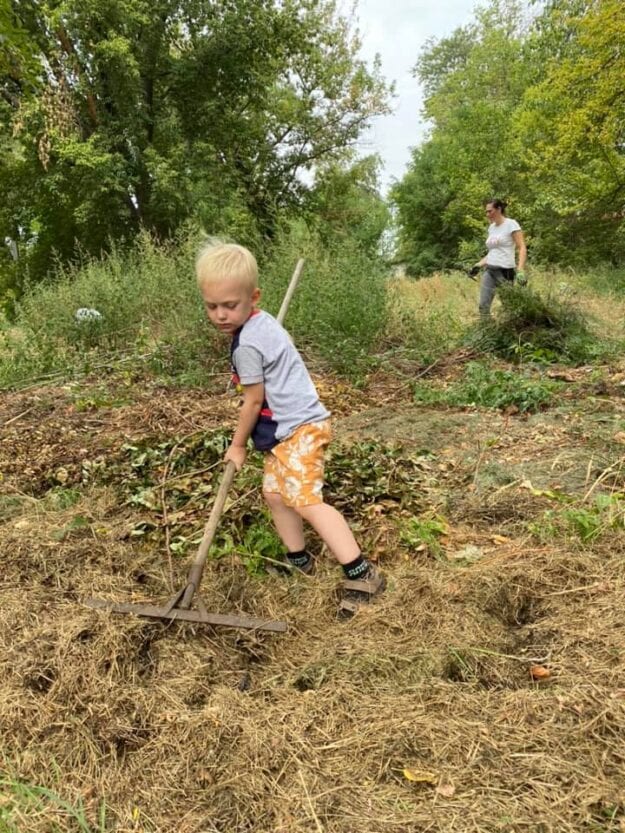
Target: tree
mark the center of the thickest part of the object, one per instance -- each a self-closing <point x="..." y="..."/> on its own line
<point x="474" y="80"/>
<point x="345" y="203"/>
<point x="572" y="124"/>
<point x="155" y="111"/>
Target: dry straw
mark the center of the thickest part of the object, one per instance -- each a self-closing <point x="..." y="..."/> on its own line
<point x="191" y="730"/>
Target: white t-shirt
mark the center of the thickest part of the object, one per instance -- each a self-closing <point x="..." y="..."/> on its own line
<point x="500" y="244"/>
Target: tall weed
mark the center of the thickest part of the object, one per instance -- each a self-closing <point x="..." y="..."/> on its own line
<point x="151" y="310"/>
<point x="339" y="309"/>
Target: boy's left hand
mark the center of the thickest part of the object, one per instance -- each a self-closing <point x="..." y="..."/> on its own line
<point x="237" y="455"/>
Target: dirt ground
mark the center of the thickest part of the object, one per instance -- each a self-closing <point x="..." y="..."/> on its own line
<point x="485" y="691"/>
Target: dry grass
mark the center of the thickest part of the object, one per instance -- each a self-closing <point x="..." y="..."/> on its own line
<point x="193" y="730"/>
<point x="457" y="296"/>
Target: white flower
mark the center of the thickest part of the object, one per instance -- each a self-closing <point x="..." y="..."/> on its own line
<point x="85" y="314"/>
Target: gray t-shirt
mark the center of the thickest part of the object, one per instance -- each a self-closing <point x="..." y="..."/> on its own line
<point x="266" y="354"/>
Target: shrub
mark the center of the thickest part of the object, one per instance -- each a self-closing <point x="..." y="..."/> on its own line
<point x="151" y="310"/>
<point x="537" y="327"/>
<point x="339" y="308"/>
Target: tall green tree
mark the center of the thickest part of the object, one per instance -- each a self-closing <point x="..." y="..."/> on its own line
<point x="345" y="204"/>
<point x="151" y="112"/>
<point x="473" y="81"/>
<point x="572" y="127"/>
<point x="531" y="108"/>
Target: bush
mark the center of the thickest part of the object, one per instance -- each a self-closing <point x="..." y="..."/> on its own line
<point x="151" y="310"/>
<point x="339" y="309"/>
<point x="533" y="327"/>
<point x="148" y="304"/>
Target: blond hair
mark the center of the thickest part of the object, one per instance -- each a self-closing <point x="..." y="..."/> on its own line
<point x="226" y="261"/>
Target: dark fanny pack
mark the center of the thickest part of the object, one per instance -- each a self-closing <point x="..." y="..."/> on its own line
<point x="264" y="432"/>
<point x="500" y="271"/>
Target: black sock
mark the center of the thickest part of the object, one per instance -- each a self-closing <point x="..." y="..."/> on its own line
<point x="299" y="559"/>
<point x="357" y="568"/>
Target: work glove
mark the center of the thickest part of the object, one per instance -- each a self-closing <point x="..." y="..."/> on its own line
<point x="474" y="270"/>
<point x="521" y="278"/>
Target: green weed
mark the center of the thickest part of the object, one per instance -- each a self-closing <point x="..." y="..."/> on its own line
<point x="151" y="312"/>
<point x="256" y="545"/>
<point x="585" y="523"/>
<point x="424" y="534"/>
<point x="62" y="497"/>
<point x="533" y="326"/>
<point x="490" y="388"/>
<point x="94" y="398"/>
<point x="22" y="801"/>
<point x="339" y="309"/>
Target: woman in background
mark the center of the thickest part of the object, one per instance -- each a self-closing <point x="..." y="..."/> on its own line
<point x="504" y="241"/>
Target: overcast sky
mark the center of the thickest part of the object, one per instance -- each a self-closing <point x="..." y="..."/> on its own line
<point x="397" y="29"/>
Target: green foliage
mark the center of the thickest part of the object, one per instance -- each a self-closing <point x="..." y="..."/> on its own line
<point x="421" y="200"/>
<point x="22" y="801"/>
<point x="424" y="534"/>
<point x="149" y="306"/>
<point x="346" y="208"/>
<point x="606" y="280"/>
<point x="152" y="313"/>
<point x="473" y="80"/>
<point x="570" y="125"/>
<point x="256" y="545"/>
<point x="151" y="113"/>
<point x="538" y="328"/>
<point x="489" y="387"/>
<point x="339" y="309"/>
<point x="585" y="522"/>
<point x="370" y="474"/>
<point x="530" y="110"/>
<point x="178" y="477"/>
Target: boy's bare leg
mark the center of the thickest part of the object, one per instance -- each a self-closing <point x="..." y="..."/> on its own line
<point x="327" y="522"/>
<point x="288" y="523"/>
<point x="333" y="529"/>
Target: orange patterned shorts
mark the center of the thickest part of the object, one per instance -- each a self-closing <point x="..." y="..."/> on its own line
<point x="294" y="467"/>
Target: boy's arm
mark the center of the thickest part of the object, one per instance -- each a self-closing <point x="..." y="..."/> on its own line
<point x="253" y="396"/>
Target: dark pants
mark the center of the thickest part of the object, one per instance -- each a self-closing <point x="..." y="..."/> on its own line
<point x="492" y="277"/>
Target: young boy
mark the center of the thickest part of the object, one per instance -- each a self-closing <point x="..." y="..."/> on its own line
<point x="282" y="414"/>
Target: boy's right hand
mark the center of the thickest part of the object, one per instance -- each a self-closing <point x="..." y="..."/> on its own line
<point x="236" y="454"/>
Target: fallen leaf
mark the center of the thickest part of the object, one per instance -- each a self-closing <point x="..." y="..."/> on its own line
<point x="468" y="553"/>
<point x="61" y="475"/>
<point x="446" y="790"/>
<point x="539" y="672"/>
<point x="420" y="776"/>
<point x="499" y="539"/>
<point x="619" y="437"/>
<point x="560" y="375"/>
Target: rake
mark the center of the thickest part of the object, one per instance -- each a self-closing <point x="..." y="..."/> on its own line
<point x="178" y="607"/>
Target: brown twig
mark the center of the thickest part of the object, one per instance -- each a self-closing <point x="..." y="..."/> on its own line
<point x="19" y="416"/>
